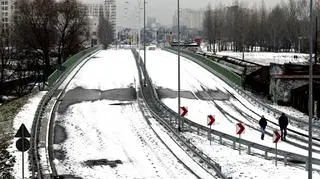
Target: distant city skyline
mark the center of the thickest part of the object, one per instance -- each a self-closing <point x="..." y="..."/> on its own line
<point x="163" y="10"/>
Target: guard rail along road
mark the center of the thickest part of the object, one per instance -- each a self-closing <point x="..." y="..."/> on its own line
<point x="202" y="130"/>
<point x="233" y="80"/>
<point x="55" y="80"/>
<point x="163" y="116"/>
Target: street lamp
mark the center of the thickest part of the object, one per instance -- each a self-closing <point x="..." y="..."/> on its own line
<point x="139" y="41"/>
<point x="144" y="38"/>
<point x="179" y="99"/>
<point x="310" y="93"/>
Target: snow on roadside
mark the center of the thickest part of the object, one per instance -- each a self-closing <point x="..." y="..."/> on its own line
<point x="265" y="58"/>
<point x="113" y="132"/>
<point x="25" y="116"/>
<point x="96" y="73"/>
<point x="247" y="166"/>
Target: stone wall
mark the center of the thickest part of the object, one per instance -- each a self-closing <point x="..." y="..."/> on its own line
<point x="280" y="88"/>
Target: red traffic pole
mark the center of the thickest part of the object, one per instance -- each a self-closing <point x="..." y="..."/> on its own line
<point x="276" y="153"/>
<point x="239" y="144"/>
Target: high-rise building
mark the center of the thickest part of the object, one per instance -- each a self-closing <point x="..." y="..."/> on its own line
<point x="151" y="21"/>
<point x="190" y="18"/>
<point x="93" y="11"/>
<point x="111" y="14"/>
<point x="7" y="9"/>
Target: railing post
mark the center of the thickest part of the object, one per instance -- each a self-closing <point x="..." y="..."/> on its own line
<point x="249" y="150"/>
<point x="220" y="139"/>
<point x="266" y="155"/>
<point x="285" y="160"/>
<point x="198" y="131"/>
<point x="234" y="145"/>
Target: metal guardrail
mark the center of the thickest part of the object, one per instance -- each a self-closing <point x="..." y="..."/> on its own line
<point x="33" y="152"/>
<point x="52" y="79"/>
<point x="219" y="68"/>
<point x="205" y="130"/>
<point x="153" y="100"/>
<point x="236" y="87"/>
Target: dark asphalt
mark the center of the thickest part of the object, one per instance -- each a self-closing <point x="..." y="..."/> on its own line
<point x="79" y="95"/>
<point x="207" y="95"/>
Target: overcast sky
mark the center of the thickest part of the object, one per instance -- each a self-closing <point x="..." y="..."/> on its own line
<point x="163" y="10"/>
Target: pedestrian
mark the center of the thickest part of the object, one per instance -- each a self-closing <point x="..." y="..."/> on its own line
<point x="263" y="124"/>
<point x="283" y="124"/>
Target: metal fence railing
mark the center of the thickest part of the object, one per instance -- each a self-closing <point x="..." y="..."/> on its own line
<point x="52" y="79"/>
<point x="56" y="80"/>
<point x="236" y="84"/>
<point x="209" y="132"/>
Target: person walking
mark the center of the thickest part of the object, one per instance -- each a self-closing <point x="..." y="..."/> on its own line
<point x="263" y="124"/>
<point x="283" y="124"/>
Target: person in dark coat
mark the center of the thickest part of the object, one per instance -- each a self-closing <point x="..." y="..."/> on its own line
<point x="283" y="124"/>
<point x="263" y="124"/>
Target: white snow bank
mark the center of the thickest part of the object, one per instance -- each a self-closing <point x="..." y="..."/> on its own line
<point x="25" y="116"/>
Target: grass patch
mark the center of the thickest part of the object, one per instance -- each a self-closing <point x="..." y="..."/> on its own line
<point x="7" y="113"/>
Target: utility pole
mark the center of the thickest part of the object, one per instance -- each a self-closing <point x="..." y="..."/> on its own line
<point x="310" y="93"/>
<point x="179" y="100"/>
<point x="144" y="38"/>
<point x="139" y="35"/>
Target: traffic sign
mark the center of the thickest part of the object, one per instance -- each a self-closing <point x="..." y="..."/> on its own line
<point x="276" y="136"/>
<point x="240" y="128"/>
<point x="22" y="132"/>
<point x="210" y="120"/>
<point x="22" y="144"/>
<point x="183" y="111"/>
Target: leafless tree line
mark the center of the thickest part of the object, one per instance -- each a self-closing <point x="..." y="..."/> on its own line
<point x="105" y="29"/>
<point x="43" y="35"/>
<point x="281" y="28"/>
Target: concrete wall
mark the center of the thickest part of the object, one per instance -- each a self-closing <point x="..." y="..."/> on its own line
<point x="280" y="88"/>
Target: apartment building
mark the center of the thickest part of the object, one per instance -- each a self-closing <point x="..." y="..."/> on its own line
<point x="190" y="18"/>
<point x="93" y="10"/>
<point x="7" y="9"/>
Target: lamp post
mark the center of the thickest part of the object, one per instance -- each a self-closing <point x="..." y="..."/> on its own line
<point x="310" y="93"/>
<point x="139" y="35"/>
<point x="179" y="99"/>
<point x="144" y="37"/>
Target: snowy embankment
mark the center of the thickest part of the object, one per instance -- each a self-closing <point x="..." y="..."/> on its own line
<point x="162" y="68"/>
<point x="25" y="116"/>
<point x="264" y="58"/>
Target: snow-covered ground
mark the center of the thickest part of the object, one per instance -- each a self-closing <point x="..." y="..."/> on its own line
<point x="264" y="58"/>
<point x="112" y="132"/>
<point x="162" y="68"/>
<point x="25" y="116"/>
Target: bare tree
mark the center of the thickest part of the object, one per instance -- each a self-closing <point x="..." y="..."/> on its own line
<point x="6" y="51"/>
<point x="208" y="25"/>
<point x="105" y="31"/>
<point x="35" y="27"/>
<point x="72" y="28"/>
<point x="276" y="27"/>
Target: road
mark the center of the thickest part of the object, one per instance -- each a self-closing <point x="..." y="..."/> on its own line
<point x="207" y="94"/>
<point x="101" y="132"/>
